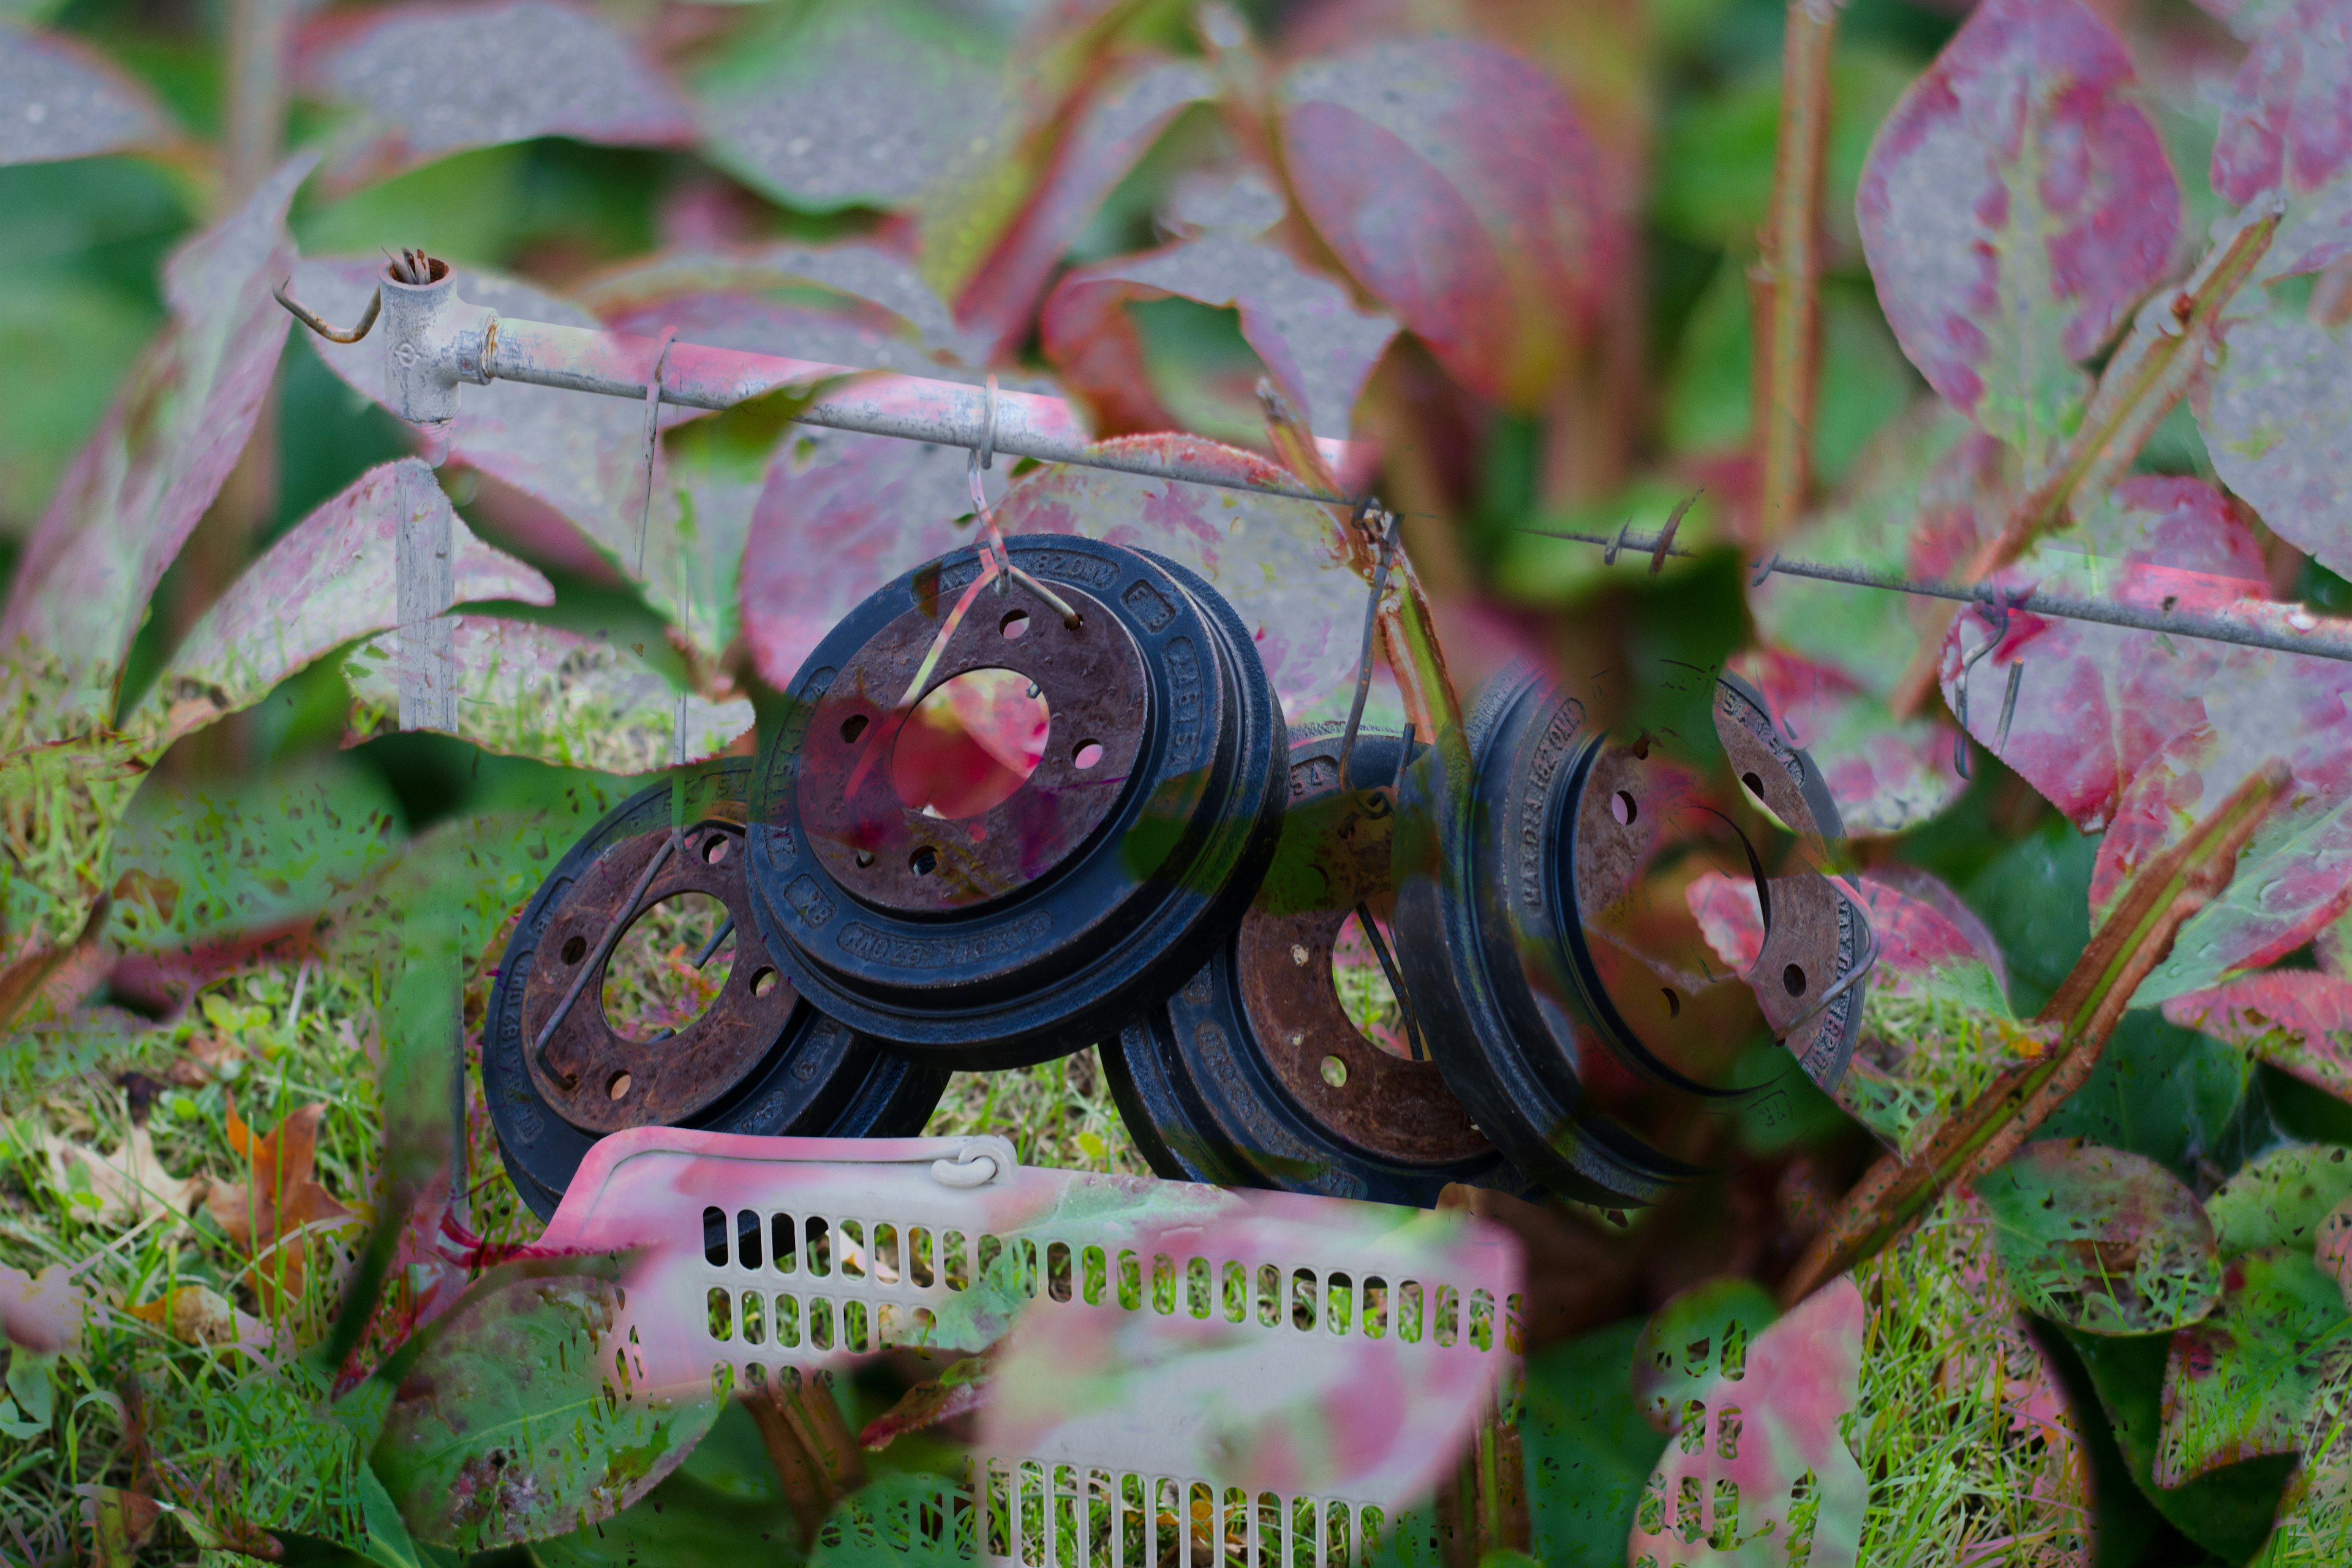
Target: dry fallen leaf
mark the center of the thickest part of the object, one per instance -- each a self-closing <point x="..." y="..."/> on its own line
<point x="279" y="1201"/>
<point x="126" y="1183"/>
<point x="199" y="1315"/>
<point x="41" y="1314"/>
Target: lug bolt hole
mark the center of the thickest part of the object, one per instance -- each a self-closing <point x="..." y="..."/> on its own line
<point x="1088" y="753"/>
<point x="714" y="850"/>
<point x="1792" y="980"/>
<point x="1335" y="1072"/>
<point x="853" y="727"/>
<point x="924" y="861"/>
<point x="763" y="982"/>
<point x="618" y="1087"/>
<point x="1624" y="807"/>
<point x="1013" y="625"/>
<point x="575" y="948"/>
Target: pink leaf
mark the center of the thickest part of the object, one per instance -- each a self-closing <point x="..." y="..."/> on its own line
<point x="1926" y="936"/>
<point x="841" y="515"/>
<point x="65" y="100"/>
<point x="1118" y="125"/>
<point x="2014" y="207"/>
<point x="874" y="312"/>
<point x="525" y="690"/>
<point x="2286" y="126"/>
<point x="1318" y="345"/>
<point x="1765" y="1432"/>
<point x="1276" y="559"/>
<point x="2300" y="1019"/>
<point x="1730" y="916"/>
<point x="1907" y="1071"/>
<point x="837" y="304"/>
<point x="436" y="79"/>
<point x="1455" y="181"/>
<point x="1387" y="1419"/>
<point x="1887" y="775"/>
<point x="329" y="581"/>
<point x="2273" y="418"/>
<point x="2293" y="877"/>
<point x="2097" y="702"/>
<point x="174" y="432"/>
<point x="581" y="456"/>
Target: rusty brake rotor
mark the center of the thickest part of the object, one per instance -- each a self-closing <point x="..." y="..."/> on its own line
<point x="1254" y="1073"/>
<point x="756" y="1059"/>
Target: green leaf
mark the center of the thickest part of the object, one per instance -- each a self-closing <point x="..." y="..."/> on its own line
<point x="31" y="1380"/>
<point x="516" y="1420"/>
<point x="900" y="1519"/>
<point x="723" y="1504"/>
<point x="205" y="858"/>
<point x="2103" y="1241"/>
<point x="716" y="470"/>
<point x="389" y="1541"/>
<point x="2241" y="1383"/>
<point x="1586" y="1447"/>
<point x="864" y="104"/>
<point x="2280" y="1199"/>
<point x="330" y="580"/>
<point x="2227" y="1510"/>
<point x="2158" y="1091"/>
<point x="1714" y="179"/>
<point x="1864" y="381"/>
<point x="1700" y="1335"/>
<point x="68" y="342"/>
<point x="168" y="442"/>
<point x="1920" y="472"/>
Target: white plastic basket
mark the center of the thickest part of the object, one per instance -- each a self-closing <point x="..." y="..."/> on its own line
<point x="1266" y="1377"/>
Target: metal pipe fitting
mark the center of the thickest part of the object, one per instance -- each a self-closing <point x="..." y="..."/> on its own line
<point x="434" y="341"/>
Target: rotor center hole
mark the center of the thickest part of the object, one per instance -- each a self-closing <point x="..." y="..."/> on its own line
<point x="970" y="744"/>
<point x="1365" y="993"/>
<point x="667" y="968"/>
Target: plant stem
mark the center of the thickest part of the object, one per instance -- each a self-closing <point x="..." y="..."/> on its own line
<point x="2168" y="345"/>
<point x="1408" y="632"/>
<point x="1789" y="269"/>
<point x="258" y="31"/>
<point x="2130" y="943"/>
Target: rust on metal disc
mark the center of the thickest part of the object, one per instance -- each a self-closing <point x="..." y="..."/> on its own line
<point x="1383" y="1104"/>
<point x="896" y="856"/>
<point x="615" y="1082"/>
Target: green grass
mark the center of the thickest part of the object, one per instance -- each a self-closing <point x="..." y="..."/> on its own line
<point x="261" y="1443"/>
<point x="1058" y="1114"/>
<point x="265" y="1443"/>
<point x="1959" y="1473"/>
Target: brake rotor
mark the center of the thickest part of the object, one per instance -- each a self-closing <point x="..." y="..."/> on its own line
<point x="1568" y="993"/>
<point x="1026" y="921"/>
<point x="559" y="1073"/>
<point x="1254" y="1073"/>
